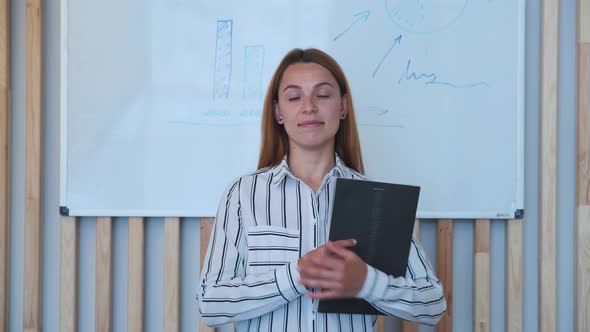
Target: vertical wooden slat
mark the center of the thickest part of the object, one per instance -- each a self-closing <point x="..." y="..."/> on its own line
<point x="481" y="276"/>
<point x="172" y="274"/>
<point x="206" y="226"/>
<point x="4" y="160"/>
<point x="104" y="274"/>
<point x="417" y="229"/>
<point x="548" y="188"/>
<point x="583" y="171"/>
<point x="514" y="271"/>
<point x="410" y="326"/>
<point x="68" y="308"/>
<point x="135" y="279"/>
<point x="444" y="269"/>
<point x="380" y="324"/>
<point x="33" y="167"/>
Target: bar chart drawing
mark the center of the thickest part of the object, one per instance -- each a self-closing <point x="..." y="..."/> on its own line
<point x="223" y="59"/>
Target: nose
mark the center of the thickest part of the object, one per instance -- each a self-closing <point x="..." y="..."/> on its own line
<point x="309" y="105"/>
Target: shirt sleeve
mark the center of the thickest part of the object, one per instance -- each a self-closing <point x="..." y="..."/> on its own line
<point x="417" y="297"/>
<point x="226" y="293"/>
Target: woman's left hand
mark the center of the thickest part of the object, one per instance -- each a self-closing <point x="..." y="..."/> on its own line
<point x="339" y="274"/>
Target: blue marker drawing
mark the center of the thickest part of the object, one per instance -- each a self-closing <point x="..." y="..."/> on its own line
<point x="376" y="116"/>
<point x="223" y="59"/>
<point x="358" y="17"/>
<point x="432" y="78"/>
<point x="425" y="16"/>
<point x="253" y="65"/>
<point x="223" y="117"/>
<point x="213" y="124"/>
<point x="396" y="41"/>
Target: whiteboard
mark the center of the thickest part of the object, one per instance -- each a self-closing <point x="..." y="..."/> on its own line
<point x="161" y="100"/>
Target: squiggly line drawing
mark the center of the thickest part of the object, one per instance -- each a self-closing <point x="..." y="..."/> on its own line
<point x="432" y="78"/>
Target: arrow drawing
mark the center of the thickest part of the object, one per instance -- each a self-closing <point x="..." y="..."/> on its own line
<point x="396" y="41"/>
<point x="358" y="17"/>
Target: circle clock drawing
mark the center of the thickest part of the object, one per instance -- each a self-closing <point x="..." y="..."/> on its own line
<point x="424" y="16"/>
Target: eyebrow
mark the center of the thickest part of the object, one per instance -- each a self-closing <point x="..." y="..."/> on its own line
<point x="315" y="87"/>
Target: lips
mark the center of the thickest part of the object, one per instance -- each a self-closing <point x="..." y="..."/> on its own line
<point x="310" y="124"/>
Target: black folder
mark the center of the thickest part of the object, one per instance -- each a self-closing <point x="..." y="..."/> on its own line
<point x="380" y="216"/>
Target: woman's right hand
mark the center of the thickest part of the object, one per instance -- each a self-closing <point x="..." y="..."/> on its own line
<point x="334" y="269"/>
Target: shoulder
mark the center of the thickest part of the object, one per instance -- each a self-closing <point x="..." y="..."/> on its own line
<point x="357" y="175"/>
<point x="350" y="173"/>
<point x="347" y="172"/>
<point x="258" y="174"/>
<point x="248" y="178"/>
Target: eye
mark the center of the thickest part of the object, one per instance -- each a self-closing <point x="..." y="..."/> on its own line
<point x="323" y="93"/>
<point x="293" y="98"/>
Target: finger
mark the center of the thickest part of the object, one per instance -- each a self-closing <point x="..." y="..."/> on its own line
<point x="314" y="256"/>
<point x="317" y="283"/>
<point x="340" y="251"/>
<point x="328" y="261"/>
<point x="317" y="252"/>
<point x="344" y="243"/>
<point x="327" y="294"/>
<point x="317" y="272"/>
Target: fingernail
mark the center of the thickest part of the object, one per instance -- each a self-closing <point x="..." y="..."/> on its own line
<point x="354" y="241"/>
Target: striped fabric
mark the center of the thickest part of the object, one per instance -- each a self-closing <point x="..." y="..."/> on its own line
<point x="265" y="222"/>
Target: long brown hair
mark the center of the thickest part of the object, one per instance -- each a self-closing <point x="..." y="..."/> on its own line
<point x="275" y="142"/>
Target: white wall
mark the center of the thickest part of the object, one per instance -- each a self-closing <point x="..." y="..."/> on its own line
<point x="463" y="243"/>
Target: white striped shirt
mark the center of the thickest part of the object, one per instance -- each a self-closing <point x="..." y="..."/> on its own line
<point x="266" y="221"/>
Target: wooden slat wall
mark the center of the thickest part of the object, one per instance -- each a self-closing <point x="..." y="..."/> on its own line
<point x="104" y="274"/>
<point x="444" y="269"/>
<point x="481" y="276"/>
<point x="69" y="226"/>
<point x="548" y="166"/>
<point x="380" y="324"/>
<point x="135" y="280"/>
<point x="33" y="167"/>
<point x="583" y="171"/>
<point x="514" y="272"/>
<point x="171" y="274"/>
<point x="68" y="307"/>
<point x="4" y="160"/>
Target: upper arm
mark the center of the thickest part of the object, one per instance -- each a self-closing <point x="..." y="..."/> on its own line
<point x="225" y="252"/>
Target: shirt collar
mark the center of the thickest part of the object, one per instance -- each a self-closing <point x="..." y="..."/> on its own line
<point x="340" y="168"/>
<point x="282" y="170"/>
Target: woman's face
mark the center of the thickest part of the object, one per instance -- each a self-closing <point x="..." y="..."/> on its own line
<point x="310" y="106"/>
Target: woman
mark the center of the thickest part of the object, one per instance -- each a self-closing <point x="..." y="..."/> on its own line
<point x="268" y="261"/>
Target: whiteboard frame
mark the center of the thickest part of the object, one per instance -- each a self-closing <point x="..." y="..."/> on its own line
<point x="63" y="104"/>
<point x="520" y="126"/>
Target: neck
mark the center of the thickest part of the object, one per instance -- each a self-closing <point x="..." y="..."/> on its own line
<point x="311" y="166"/>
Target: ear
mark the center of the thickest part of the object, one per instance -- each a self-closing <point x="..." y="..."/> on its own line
<point x="277" y="113"/>
<point x="343" y="107"/>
